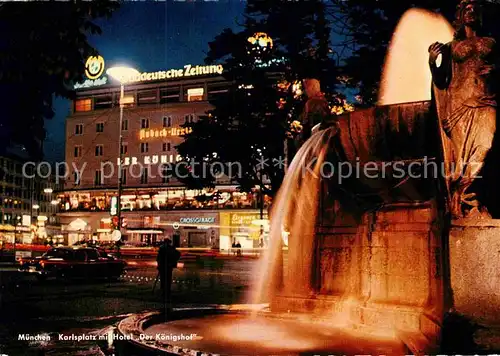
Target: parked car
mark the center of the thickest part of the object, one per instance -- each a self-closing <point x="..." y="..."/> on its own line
<point x="66" y="262"/>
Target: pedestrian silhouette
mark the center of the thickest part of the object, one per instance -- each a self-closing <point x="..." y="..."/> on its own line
<point x="167" y="259"/>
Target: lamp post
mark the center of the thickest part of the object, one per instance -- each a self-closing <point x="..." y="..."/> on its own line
<point x="123" y="75"/>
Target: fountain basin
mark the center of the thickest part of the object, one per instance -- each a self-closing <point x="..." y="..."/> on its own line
<point x="237" y="330"/>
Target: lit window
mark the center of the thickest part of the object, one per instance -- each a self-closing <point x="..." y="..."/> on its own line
<point x="167" y="121"/>
<point x="78" y="151"/>
<point x="124" y="125"/>
<point x="99" y="127"/>
<point x="144" y="123"/>
<point x="79" y="129"/>
<point x="98" y="150"/>
<point x="166" y="146"/>
<point x="195" y="94"/>
<point x="144" y="147"/>
<point x="124" y="149"/>
<point x="83" y="105"/>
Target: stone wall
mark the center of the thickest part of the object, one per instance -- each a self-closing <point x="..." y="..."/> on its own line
<point x="475" y="269"/>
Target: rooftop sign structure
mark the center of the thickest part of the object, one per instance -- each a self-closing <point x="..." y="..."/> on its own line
<point x="94" y="70"/>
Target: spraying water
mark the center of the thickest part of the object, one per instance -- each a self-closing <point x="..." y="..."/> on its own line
<point x="295" y="209"/>
<point x="406" y="77"/>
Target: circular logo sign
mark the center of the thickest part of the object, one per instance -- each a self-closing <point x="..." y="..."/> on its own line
<point x="176" y="225"/>
<point x="116" y="235"/>
<point x="94" y="67"/>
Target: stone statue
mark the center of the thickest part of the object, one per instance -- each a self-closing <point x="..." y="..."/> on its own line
<point x="316" y="110"/>
<point x="466" y="106"/>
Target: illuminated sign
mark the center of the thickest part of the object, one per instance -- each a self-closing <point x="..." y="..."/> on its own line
<point x="197" y="220"/>
<point x="165" y="132"/>
<point x="188" y="71"/>
<point x="94" y="67"/>
<point x="114" y="206"/>
<point x="156" y="159"/>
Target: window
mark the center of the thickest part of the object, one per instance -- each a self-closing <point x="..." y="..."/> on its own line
<point x="216" y="90"/>
<point x="78" y="151"/>
<point x="103" y="102"/>
<point x="124" y="125"/>
<point x="189" y="119"/>
<point x="99" y="127"/>
<point x="144" y="147"/>
<point x="167" y="121"/>
<point x="98" y="178"/>
<point x="98" y="150"/>
<point x="146" y="97"/>
<point x="76" y="177"/>
<point x="170" y="95"/>
<point x="124" y="149"/>
<point x="144" y="123"/>
<point x="144" y="176"/>
<point x="165" y="174"/>
<point x="79" y="129"/>
<point x="83" y="105"/>
<point x="80" y="255"/>
<point x="195" y="94"/>
<point x="166" y="146"/>
<point x="124" y="176"/>
<point x="92" y="254"/>
<point x="59" y="253"/>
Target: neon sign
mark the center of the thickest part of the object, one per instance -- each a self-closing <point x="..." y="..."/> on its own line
<point x="165" y="132"/>
<point x="149" y="160"/>
<point x="197" y="220"/>
<point x="188" y="71"/>
<point x="94" y="67"/>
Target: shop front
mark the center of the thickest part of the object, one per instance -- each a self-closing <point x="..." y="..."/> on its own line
<point x="196" y="229"/>
<point x="76" y="231"/>
<point x="242" y="227"/>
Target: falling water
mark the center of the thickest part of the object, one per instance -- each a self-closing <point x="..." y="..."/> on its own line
<point x="295" y="210"/>
<point x="406" y="77"/>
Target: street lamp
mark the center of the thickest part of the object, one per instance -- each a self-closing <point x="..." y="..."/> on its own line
<point x="123" y="75"/>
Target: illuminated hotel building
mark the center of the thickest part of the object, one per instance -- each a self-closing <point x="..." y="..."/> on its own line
<point x="153" y="205"/>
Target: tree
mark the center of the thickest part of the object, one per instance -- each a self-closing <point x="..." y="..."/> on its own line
<point x="249" y="124"/>
<point x="366" y="28"/>
<point x="42" y="53"/>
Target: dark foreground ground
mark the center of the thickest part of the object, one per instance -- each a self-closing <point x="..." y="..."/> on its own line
<point x="59" y="309"/>
<point x="55" y="308"/>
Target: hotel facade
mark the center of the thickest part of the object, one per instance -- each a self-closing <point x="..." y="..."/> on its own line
<point x="154" y="205"/>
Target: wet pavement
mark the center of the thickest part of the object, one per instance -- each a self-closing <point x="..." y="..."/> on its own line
<point x="74" y="318"/>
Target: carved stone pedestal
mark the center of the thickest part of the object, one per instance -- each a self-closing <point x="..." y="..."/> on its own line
<point x="475" y="278"/>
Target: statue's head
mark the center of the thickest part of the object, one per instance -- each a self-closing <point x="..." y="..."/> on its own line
<point x="469" y="13"/>
<point x="312" y="87"/>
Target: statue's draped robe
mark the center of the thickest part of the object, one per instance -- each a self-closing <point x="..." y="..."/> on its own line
<point x="467" y="115"/>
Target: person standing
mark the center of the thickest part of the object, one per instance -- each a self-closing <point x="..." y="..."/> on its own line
<point x="167" y="259"/>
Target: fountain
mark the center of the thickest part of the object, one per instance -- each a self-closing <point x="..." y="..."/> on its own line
<point x="371" y="210"/>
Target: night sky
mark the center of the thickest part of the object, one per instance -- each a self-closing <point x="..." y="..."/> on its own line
<point x="152" y="36"/>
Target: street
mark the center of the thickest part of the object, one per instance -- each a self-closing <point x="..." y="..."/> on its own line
<point x="59" y="308"/>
